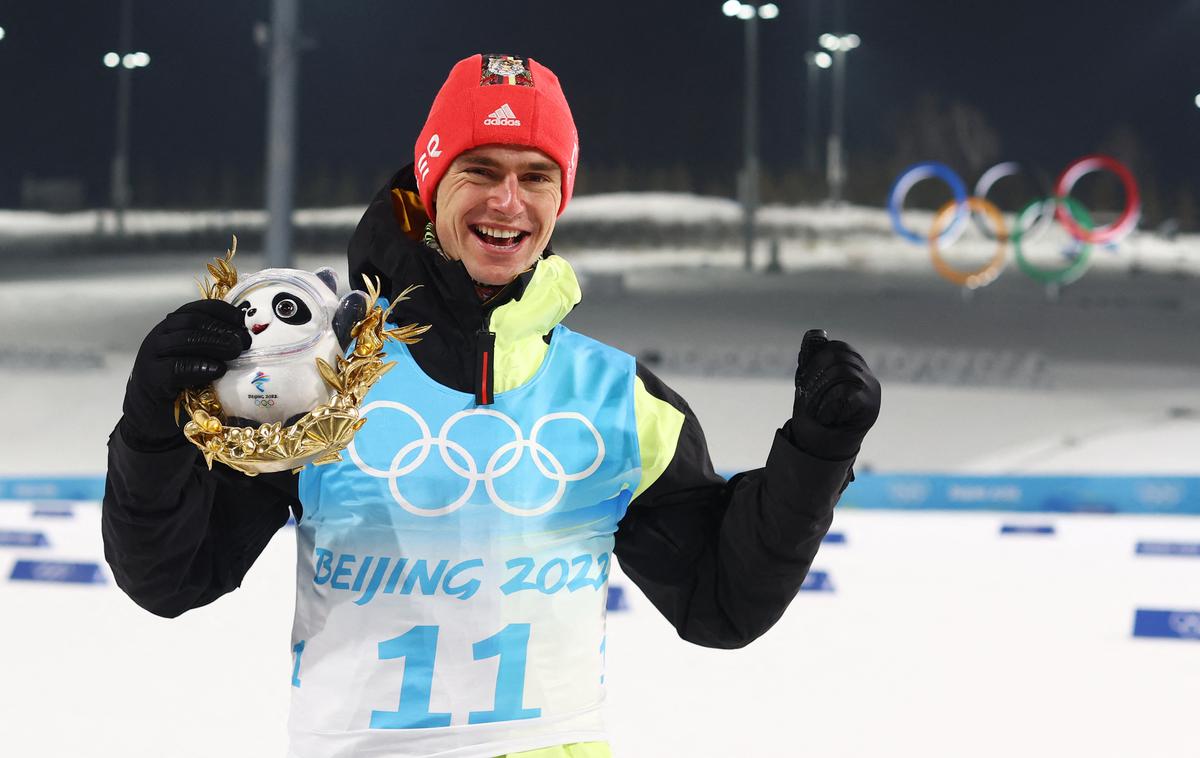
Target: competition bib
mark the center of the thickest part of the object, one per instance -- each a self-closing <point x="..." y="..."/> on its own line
<point x="453" y="569"/>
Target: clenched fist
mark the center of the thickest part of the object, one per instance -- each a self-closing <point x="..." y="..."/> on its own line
<point x="837" y="398"/>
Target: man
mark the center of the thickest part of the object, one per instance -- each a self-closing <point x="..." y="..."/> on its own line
<point x="453" y="569"/>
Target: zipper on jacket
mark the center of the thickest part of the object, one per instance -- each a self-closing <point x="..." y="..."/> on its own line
<point x="485" y="362"/>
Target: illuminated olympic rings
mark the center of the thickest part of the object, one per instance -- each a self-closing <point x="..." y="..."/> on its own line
<point x="1133" y="199"/>
<point x="992" y="268"/>
<point x="1030" y="222"/>
<point x="1082" y="258"/>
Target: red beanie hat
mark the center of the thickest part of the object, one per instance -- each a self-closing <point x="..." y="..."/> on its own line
<point x="496" y="100"/>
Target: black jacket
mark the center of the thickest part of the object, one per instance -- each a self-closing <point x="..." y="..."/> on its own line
<point x="720" y="559"/>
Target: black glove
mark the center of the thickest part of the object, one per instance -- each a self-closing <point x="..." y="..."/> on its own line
<point x="188" y="348"/>
<point x="837" y="398"/>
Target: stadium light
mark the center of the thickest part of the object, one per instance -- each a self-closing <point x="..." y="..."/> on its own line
<point x="1" y="32"/>
<point x="748" y="181"/>
<point x="1198" y="100"/>
<point x="836" y="44"/>
<point x="822" y="59"/>
<point x="128" y="60"/>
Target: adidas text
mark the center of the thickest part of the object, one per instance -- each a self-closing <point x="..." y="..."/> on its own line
<point x="502" y="116"/>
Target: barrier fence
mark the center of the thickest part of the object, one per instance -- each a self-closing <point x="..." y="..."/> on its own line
<point x="1170" y="495"/>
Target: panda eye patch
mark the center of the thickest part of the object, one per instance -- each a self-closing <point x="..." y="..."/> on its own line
<point x="291" y="309"/>
<point x="244" y="306"/>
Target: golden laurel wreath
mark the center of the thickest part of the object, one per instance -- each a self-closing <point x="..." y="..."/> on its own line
<point x="322" y="433"/>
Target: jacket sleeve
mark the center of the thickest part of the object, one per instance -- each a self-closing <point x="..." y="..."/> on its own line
<point x="721" y="560"/>
<point x="178" y="536"/>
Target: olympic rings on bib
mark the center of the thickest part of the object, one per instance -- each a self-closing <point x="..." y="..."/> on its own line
<point x="1030" y="222"/>
<point x="469" y="469"/>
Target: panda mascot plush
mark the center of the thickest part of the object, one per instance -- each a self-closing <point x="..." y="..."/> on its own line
<point x="294" y="317"/>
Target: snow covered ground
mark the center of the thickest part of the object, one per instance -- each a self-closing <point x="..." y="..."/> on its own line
<point x="935" y="635"/>
<point x="930" y="635"/>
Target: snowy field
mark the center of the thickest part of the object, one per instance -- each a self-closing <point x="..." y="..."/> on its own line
<point x="931" y="634"/>
<point x="928" y="635"/>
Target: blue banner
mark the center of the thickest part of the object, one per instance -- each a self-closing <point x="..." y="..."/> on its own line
<point x="1188" y="549"/>
<point x="1179" y="495"/>
<point x="58" y="571"/>
<point x="52" y="488"/>
<point x="834" y="538"/>
<point x="1167" y="624"/>
<point x="23" y="539"/>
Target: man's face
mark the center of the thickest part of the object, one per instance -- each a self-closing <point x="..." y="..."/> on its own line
<point x="496" y="207"/>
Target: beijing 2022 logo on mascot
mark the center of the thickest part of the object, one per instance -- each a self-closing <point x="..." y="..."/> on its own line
<point x="293" y="396"/>
<point x="293" y="318"/>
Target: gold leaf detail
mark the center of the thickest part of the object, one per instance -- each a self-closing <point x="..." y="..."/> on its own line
<point x="320" y="435"/>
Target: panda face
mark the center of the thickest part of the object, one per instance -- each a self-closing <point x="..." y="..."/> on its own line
<point x="276" y="315"/>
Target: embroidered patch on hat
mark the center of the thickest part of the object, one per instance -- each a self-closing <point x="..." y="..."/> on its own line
<point x="505" y="69"/>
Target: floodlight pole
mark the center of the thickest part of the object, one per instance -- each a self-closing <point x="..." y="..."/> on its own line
<point x="835" y="158"/>
<point x="281" y="131"/>
<point x="750" y="124"/>
<point x="812" y="97"/>
<point x="836" y="173"/>
<point x="120" y="194"/>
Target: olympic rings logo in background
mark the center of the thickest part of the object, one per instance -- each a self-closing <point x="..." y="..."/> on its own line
<point x="1030" y="222"/>
<point x="470" y="472"/>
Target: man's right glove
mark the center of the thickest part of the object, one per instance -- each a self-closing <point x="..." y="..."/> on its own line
<point x="187" y="349"/>
<point x="837" y="398"/>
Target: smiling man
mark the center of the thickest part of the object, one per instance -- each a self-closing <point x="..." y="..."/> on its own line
<point x="496" y="209"/>
<point x="453" y="570"/>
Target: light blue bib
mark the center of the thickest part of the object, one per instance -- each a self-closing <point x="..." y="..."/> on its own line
<point x="472" y="542"/>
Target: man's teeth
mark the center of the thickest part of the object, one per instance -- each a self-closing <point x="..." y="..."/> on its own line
<point x="500" y="233"/>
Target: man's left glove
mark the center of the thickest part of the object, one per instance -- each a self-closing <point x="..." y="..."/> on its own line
<point x="837" y="399"/>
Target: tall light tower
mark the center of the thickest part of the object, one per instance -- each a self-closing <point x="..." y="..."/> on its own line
<point x="281" y="130"/>
<point x="125" y="62"/>
<point x="748" y="184"/>
<point x="814" y="62"/>
<point x="835" y="158"/>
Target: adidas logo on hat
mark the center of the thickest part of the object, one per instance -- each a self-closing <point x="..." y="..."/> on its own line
<point x="503" y="116"/>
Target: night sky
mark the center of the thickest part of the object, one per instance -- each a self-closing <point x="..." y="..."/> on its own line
<point x="652" y="84"/>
